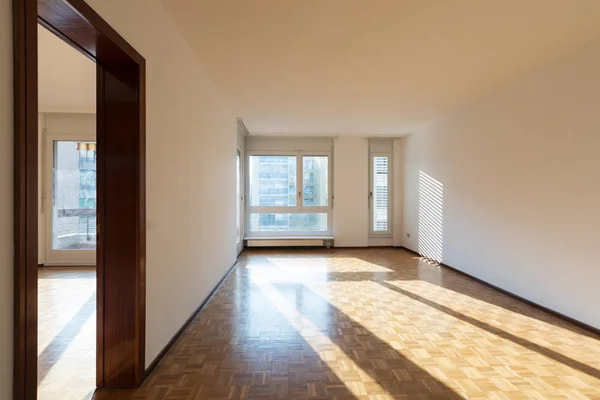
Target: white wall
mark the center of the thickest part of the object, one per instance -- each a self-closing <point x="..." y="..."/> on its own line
<point x="398" y="191"/>
<point x="6" y="200"/>
<point x="66" y="78"/>
<point x="520" y="172"/>
<point x="70" y="123"/>
<point x="350" y="188"/>
<point x="191" y="153"/>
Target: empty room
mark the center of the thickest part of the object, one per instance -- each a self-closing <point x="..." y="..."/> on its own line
<point x="67" y="220"/>
<point x="328" y="199"/>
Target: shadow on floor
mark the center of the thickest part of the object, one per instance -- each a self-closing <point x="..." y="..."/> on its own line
<point x="238" y="347"/>
<point x="591" y="371"/>
<point x="61" y="342"/>
<point x="384" y="278"/>
<point x="395" y="258"/>
<point x="389" y="368"/>
<point x="243" y="346"/>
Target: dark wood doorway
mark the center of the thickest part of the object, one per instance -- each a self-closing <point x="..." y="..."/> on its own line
<point x="120" y="187"/>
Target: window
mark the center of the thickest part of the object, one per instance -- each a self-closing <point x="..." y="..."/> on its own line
<point x="240" y="185"/>
<point x="288" y="222"/>
<point x="272" y="181"/>
<point x="379" y="195"/>
<point x="73" y="223"/>
<point x="87" y="180"/>
<point x="279" y="204"/>
<point x="315" y="180"/>
<point x="238" y="196"/>
<point x="380" y="187"/>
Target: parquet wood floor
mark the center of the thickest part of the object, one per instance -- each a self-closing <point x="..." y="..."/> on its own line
<point x="369" y="324"/>
<point x="66" y="333"/>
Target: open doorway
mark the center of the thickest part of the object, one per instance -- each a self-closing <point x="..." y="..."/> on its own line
<point x="79" y="202"/>
<point x="67" y="220"/>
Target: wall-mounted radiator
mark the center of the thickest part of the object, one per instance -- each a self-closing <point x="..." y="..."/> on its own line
<point x="289" y="242"/>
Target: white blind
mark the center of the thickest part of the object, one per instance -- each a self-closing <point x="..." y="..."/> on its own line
<point x="380" y="193"/>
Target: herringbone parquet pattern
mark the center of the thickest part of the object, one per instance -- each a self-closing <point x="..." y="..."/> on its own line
<point x="369" y="324"/>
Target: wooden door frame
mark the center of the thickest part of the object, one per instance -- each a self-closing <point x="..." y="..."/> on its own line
<point x="120" y="268"/>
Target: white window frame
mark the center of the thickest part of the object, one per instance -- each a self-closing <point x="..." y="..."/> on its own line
<point x="390" y="204"/>
<point x="240" y="191"/>
<point x="61" y="257"/>
<point x="299" y="208"/>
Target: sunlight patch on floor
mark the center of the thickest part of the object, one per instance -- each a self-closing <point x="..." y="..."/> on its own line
<point x="330" y="264"/>
<point x="335" y="358"/>
<point x="66" y="333"/>
<point x="388" y="324"/>
<point x="478" y="308"/>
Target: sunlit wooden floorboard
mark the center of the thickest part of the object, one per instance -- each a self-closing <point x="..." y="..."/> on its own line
<point x="372" y="324"/>
<point x="66" y="333"/>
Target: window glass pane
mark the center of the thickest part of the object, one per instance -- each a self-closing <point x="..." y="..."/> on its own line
<point x="74" y="196"/>
<point x="314" y="181"/>
<point x="380" y="194"/>
<point x="272" y="181"/>
<point x="262" y="222"/>
<point x="238" y="193"/>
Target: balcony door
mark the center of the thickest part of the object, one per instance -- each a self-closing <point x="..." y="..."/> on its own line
<point x="70" y="200"/>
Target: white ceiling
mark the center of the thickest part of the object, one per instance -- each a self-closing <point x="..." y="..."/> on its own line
<point x="372" y="66"/>
<point x="67" y="79"/>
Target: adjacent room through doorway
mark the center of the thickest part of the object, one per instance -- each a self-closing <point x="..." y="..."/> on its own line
<point x="67" y="221"/>
<point x="78" y="142"/>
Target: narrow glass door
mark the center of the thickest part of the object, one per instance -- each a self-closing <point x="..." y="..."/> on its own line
<point x="72" y="230"/>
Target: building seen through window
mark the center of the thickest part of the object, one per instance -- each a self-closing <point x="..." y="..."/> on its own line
<point x="74" y="193"/>
<point x="273" y="183"/>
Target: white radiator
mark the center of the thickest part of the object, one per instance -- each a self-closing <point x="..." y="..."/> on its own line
<point x="289" y="242"/>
